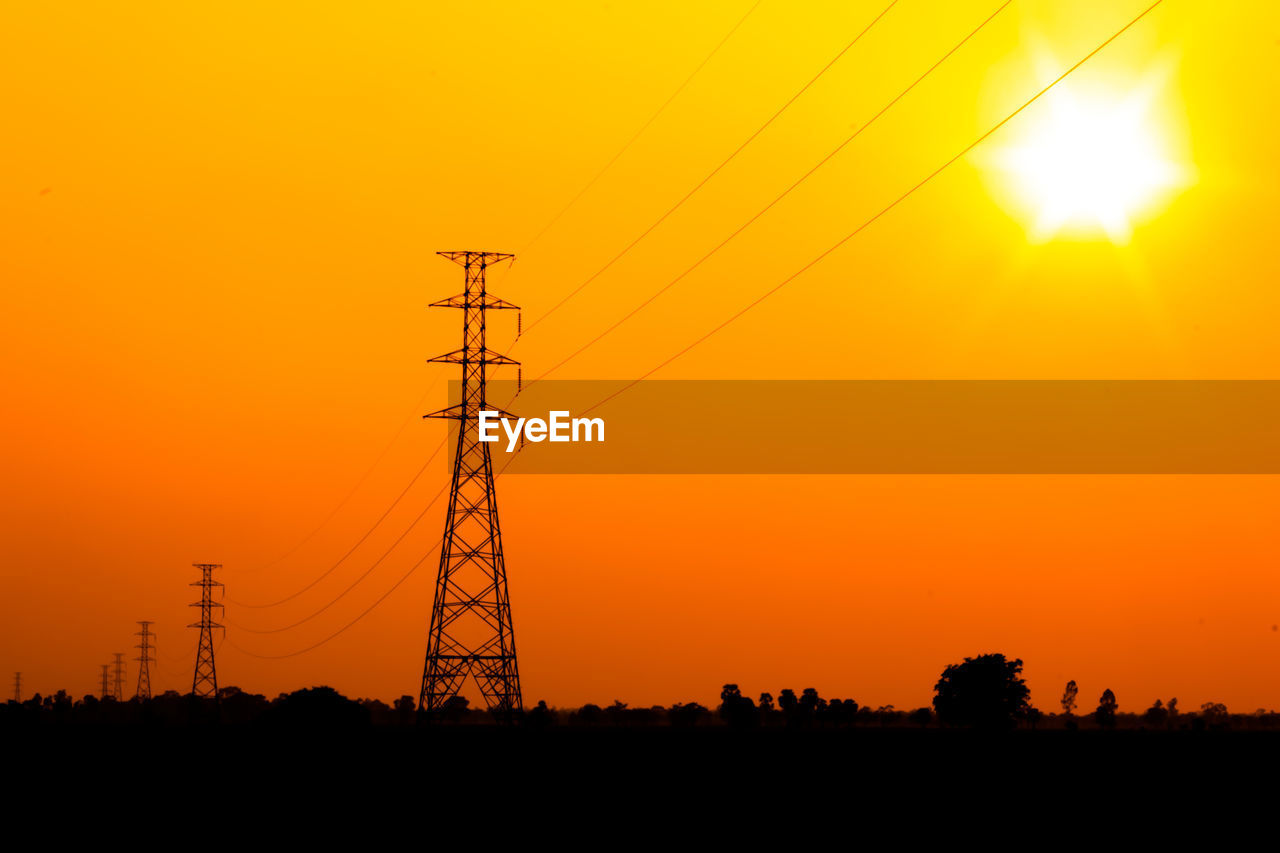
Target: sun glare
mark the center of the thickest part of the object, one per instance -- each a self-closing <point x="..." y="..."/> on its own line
<point x="1091" y="163"/>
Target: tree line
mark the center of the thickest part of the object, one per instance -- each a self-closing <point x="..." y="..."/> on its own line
<point x="985" y="692"/>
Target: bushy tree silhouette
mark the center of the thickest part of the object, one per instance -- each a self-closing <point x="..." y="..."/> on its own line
<point x="1105" y="716"/>
<point x="1156" y="715"/>
<point x="315" y="706"/>
<point x="589" y="714"/>
<point x="540" y="716"/>
<point x="1069" y="697"/>
<point x="687" y="715"/>
<point x="986" y="692"/>
<point x="454" y="709"/>
<point x="1214" y="715"/>
<point x="735" y="709"/>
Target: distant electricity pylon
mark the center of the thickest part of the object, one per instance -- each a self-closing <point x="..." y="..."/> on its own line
<point x="106" y="680"/>
<point x="471" y="631"/>
<point x="144" y="660"/>
<point x="204" y="682"/>
<point x="17" y="687"/>
<point x="117" y="682"/>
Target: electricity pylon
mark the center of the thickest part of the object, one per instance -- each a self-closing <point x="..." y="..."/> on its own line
<point x="106" y="680"/>
<point x="117" y="682"/>
<point x="471" y="631"/>
<point x="144" y="660"/>
<point x="204" y="682"/>
<point x="17" y="687"/>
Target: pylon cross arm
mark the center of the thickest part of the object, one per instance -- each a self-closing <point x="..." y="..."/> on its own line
<point x="488" y="302"/>
<point x="471" y="356"/>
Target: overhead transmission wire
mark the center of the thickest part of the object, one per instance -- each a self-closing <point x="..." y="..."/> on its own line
<point x="725" y="162"/>
<point x="631" y="245"/>
<point x="354" y="583"/>
<point x="330" y="517"/>
<point x="743" y="227"/>
<point x="635" y="136"/>
<point x="359" y="542"/>
<point x="755" y="302"/>
<point x="700" y="184"/>
<point x="360" y="482"/>
<point x="431" y="551"/>
<point x="855" y="232"/>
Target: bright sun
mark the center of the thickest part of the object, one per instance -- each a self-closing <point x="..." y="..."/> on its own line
<point x="1088" y="163"/>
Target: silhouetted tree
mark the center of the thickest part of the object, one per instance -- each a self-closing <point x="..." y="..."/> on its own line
<point x="1033" y="716"/>
<point x="766" y="702"/>
<point x="687" y="715"/>
<point x="811" y="702"/>
<point x="540" y="716"/>
<point x="1105" y="716"/>
<point x="313" y="706"/>
<point x="1214" y="714"/>
<point x="789" y="705"/>
<point x="840" y="712"/>
<point x="1069" y="698"/>
<point x="454" y="708"/>
<point x="984" y="692"/>
<point x="240" y="707"/>
<point x="1156" y="715"/>
<point x="589" y="714"/>
<point x="921" y="717"/>
<point x="735" y="709"/>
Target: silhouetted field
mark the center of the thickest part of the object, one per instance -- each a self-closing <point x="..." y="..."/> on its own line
<point x="634" y="769"/>
<point x="981" y="746"/>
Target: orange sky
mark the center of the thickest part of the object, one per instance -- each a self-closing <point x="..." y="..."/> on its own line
<point x="217" y="228"/>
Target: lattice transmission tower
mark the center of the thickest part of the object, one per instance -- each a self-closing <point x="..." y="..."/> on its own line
<point x="106" y="680"/>
<point x="204" y="682"/>
<point x="144" y="659"/>
<point x="117" y="678"/>
<point x="17" y="687"/>
<point x="471" y="631"/>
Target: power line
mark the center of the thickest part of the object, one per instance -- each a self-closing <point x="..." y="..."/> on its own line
<point x="353" y="548"/>
<point x="371" y="607"/>
<point x="716" y="170"/>
<point x="652" y="297"/>
<point x="354" y="583"/>
<point x="627" y="145"/>
<point x="871" y="220"/>
<point x="366" y="612"/>
<point x="565" y="299"/>
<point x="360" y="482"/>
<point x="755" y="302"/>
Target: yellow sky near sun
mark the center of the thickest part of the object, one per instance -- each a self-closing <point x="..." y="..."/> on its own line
<point x="216" y="235"/>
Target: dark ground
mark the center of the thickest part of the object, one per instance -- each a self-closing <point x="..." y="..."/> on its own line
<point x="657" y="783"/>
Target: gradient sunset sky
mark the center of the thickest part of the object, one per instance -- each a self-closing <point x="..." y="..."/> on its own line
<point x="217" y="235"/>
